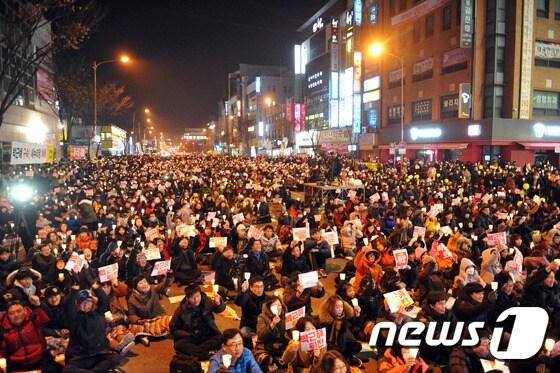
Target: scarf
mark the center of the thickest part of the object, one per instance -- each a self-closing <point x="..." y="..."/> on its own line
<point x="338" y="323"/>
<point x="28" y="291"/>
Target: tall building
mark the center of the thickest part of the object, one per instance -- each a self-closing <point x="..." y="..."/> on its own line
<point x="480" y="78"/>
<point x="254" y="113"/>
<point x="30" y="131"/>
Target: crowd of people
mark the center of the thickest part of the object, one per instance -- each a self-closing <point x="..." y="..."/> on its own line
<point x="87" y="260"/>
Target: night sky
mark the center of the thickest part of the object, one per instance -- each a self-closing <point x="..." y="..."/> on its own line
<point x="183" y="50"/>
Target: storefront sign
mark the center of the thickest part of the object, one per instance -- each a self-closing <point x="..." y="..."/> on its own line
<point x="334" y="30"/>
<point x="467" y="24"/>
<point x="318" y="24"/>
<point x="425" y="133"/>
<point x="290" y="110"/>
<point x="395" y="76"/>
<point x="373" y="12"/>
<point x="357" y="113"/>
<point x="358" y="12"/>
<point x="372" y="83"/>
<point x="357" y="72"/>
<point x="303" y="138"/>
<point x="77" y="152"/>
<point x="454" y="57"/>
<point x="526" y="59"/>
<point x="417" y="12"/>
<point x="541" y="130"/>
<point x="547" y="50"/>
<point x="423" y="69"/>
<point x="545" y="100"/>
<point x="371" y="96"/>
<point x="27" y="153"/>
<point x="299" y="117"/>
<point x="333" y="113"/>
<point x="465" y="100"/>
<point x="474" y="130"/>
<point x="335" y="136"/>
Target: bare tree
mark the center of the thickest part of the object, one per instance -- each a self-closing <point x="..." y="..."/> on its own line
<point x="70" y="23"/>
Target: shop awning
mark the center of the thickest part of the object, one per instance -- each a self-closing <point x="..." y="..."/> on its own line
<point x="540" y="145"/>
<point x="441" y="145"/>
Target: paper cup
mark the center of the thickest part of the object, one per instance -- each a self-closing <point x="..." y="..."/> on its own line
<point x="494" y="286"/>
<point x="108" y="315"/>
<point x="72" y="237"/>
<point x="342" y="276"/>
<point x="490" y="227"/>
<point x="247" y="275"/>
<point x="114" y="226"/>
<point x="38" y="241"/>
<point x="235" y="281"/>
<point x="366" y="241"/>
<point x="355" y="302"/>
<point x="549" y="344"/>
<point x="226" y="360"/>
<point x="3" y="364"/>
<point x="275" y="311"/>
<point x="295" y="335"/>
<point x="61" y="277"/>
<point x="63" y="246"/>
<point x="119" y="243"/>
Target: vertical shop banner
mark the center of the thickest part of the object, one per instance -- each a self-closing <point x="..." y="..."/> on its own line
<point x="290" y="110"/>
<point x="467" y="24"/>
<point x="465" y="100"/>
<point x="45" y="85"/>
<point x="77" y="152"/>
<point x="526" y="59"/>
<point x="357" y="72"/>
<point x="297" y="117"/>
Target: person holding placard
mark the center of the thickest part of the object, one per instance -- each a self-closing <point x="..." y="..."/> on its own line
<point x="317" y="249"/>
<point x="222" y="265"/>
<point x="293" y="261"/>
<point x="434" y="310"/>
<point x="183" y="264"/>
<point x="272" y="338"/>
<point x="193" y="327"/>
<point x="367" y="264"/>
<point x="300" y="361"/>
<point x="296" y="296"/>
<point x="339" y="318"/>
<point x="270" y="242"/>
<point x="137" y="265"/>
<point x="258" y="265"/>
<point x="251" y="299"/>
<point x="401" y="359"/>
<point x="233" y="356"/>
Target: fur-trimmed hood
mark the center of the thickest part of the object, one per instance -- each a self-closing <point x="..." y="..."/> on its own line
<point x="326" y="318"/>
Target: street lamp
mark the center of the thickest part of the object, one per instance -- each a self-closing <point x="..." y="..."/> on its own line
<point x="123" y="59"/>
<point x="377" y="50"/>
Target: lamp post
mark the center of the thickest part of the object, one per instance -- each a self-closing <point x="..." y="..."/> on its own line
<point x="376" y="50"/>
<point x="95" y="66"/>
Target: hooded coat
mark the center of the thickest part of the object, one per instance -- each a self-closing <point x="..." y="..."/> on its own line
<point x="364" y="268"/>
<point x="196" y="323"/>
<point x="339" y="331"/>
<point x="490" y="264"/>
<point x="272" y="341"/>
<point x="463" y="278"/>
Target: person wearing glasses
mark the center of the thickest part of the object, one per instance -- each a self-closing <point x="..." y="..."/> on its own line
<point x="233" y="357"/>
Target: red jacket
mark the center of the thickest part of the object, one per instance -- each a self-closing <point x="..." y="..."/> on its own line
<point x="24" y="344"/>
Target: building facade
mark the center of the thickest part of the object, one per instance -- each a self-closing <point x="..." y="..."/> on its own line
<point x="31" y="131"/>
<point x="480" y="78"/>
<point x="254" y="117"/>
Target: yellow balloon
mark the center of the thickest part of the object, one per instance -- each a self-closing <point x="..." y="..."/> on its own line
<point x="519" y="203"/>
<point x="481" y="167"/>
<point x="446" y="181"/>
<point x="417" y="176"/>
<point x="526" y="186"/>
<point x="438" y="175"/>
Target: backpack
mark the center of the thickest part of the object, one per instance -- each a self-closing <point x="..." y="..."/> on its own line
<point x="185" y="364"/>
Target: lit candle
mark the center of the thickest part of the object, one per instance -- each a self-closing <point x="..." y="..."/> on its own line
<point x="61" y="277"/>
<point x="215" y="287"/>
<point x="355" y="302"/>
<point x="247" y="275"/>
<point x="342" y="276"/>
<point x="549" y="344"/>
<point x="494" y="286"/>
<point x="226" y="360"/>
<point x="295" y="335"/>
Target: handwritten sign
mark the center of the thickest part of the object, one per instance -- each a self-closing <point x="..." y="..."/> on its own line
<point x="419" y="232"/>
<point x="401" y="258"/>
<point x="300" y="234"/>
<point x="398" y="299"/>
<point x="161" y="268"/>
<point x="293" y="317"/>
<point x="313" y="340"/>
<point x="238" y="218"/>
<point x="254" y="232"/>
<point x="351" y="194"/>
<point x="497" y="239"/>
<point x="308" y="279"/>
<point x="331" y="238"/>
<point x="184" y="230"/>
<point x="151" y="234"/>
<point x="218" y="242"/>
<point x="210" y="216"/>
<point x="384" y="196"/>
<point x="152" y="252"/>
<point x="109" y="272"/>
<point x="75" y="263"/>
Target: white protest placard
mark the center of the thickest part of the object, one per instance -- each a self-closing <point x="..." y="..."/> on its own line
<point x="384" y="196"/>
<point x="254" y="232"/>
<point x="446" y="230"/>
<point x="331" y="238"/>
<point x="184" y="230"/>
<point x="218" y="242"/>
<point x="308" y="279"/>
<point x="161" y="268"/>
<point x="496" y="239"/>
<point x="351" y="194"/>
<point x="293" y="317"/>
<point x="215" y="222"/>
<point x="375" y="198"/>
<point x="401" y="258"/>
<point x="455" y="202"/>
<point x="398" y="299"/>
<point x="109" y="272"/>
<point x="238" y="218"/>
<point x="537" y="200"/>
<point x="313" y="340"/>
<point x="211" y="215"/>
<point x="300" y="234"/>
<point x="318" y="218"/>
<point x="75" y="262"/>
<point x="501" y="194"/>
<point x="419" y="232"/>
<point x="152" y="252"/>
<point x="151" y="234"/>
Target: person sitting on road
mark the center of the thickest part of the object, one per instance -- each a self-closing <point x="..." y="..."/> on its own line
<point x="233" y="356"/>
<point x="193" y="327"/>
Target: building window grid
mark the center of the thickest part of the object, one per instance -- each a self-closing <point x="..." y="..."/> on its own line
<point x="422" y="110"/>
<point x="446" y="18"/>
<point x="542" y="8"/>
<point x="557" y="10"/>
